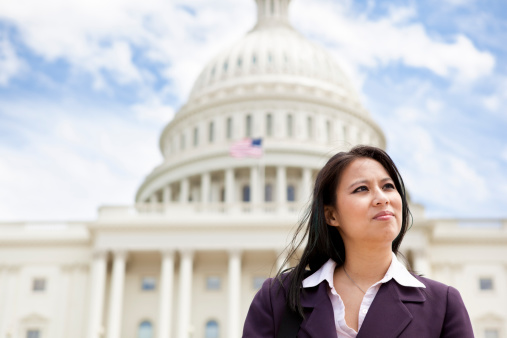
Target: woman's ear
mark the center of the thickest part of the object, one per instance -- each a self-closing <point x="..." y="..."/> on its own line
<point x="331" y="216"/>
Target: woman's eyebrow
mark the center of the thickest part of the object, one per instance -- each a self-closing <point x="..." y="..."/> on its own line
<point x="366" y="181"/>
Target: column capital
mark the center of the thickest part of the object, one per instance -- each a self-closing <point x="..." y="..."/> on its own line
<point x="121" y="254"/>
<point x="167" y="253"/>
<point x="188" y="253"/>
<point x="235" y="252"/>
<point x="99" y="254"/>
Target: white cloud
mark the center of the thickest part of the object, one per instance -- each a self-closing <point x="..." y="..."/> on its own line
<point x="154" y="110"/>
<point x="97" y="37"/>
<point x="10" y="63"/>
<point x="397" y="37"/>
<point x="70" y="164"/>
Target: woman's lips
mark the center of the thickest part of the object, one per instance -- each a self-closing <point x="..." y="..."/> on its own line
<point x="383" y="216"/>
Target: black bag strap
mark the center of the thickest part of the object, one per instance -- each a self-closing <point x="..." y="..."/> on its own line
<point x="289" y="326"/>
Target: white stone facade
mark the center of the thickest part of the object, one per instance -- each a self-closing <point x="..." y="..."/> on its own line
<point x="186" y="259"/>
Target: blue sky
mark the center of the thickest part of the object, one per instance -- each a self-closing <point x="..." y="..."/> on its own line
<point x="87" y="86"/>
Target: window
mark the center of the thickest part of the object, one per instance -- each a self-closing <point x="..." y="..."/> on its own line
<point x="246" y="193"/>
<point x="290" y="131"/>
<point x="328" y="131"/>
<point x="182" y="141"/>
<point x="222" y="195"/>
<point x="211" y="134"/>
<point x="196" y="137"/>
<point x="248" y="126"/>
<point x="33" y="334"/>
<point x="225" y="66"/>
<point x="491" y="333"/>
<point x="213" y="283"/>
<point x="309" y="125"/>
<point x="257" y="282"/>
<point x="269" y="125"/>
<point x="268" y="193"/>
<point x="270" y="58"/>
<point x="39" y="284"/>
<point x="211" y="329"/>
<point x="229" y="128"/>
<point x="148" y="283"/>
<point x="145" y="330"/>
<point x="213" y="72"/>
<point x="486" y="284"/>
<point x="240" y="61"/>
<point x="254" y="59"/>
<point x="291" y="193"/>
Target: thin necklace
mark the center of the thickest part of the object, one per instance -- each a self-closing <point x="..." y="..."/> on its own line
<point x="352" y="280"/>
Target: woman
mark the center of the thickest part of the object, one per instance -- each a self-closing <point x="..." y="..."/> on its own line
<point x="355" y="286"/>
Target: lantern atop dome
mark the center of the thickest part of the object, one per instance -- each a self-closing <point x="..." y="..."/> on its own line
<point x="271" y="12"/>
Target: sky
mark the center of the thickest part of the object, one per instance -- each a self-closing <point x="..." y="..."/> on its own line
<point x="86" y="88"/>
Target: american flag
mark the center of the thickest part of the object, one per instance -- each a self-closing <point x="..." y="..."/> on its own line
<point x="248" y="147"/>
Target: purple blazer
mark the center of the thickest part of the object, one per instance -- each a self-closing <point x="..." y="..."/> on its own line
<point x="397" y="311"/>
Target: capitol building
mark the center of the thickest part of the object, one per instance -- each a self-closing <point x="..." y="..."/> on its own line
<point x="207" y="228"/>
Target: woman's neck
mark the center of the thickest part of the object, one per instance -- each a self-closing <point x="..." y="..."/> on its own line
<point x="367" y="266"/>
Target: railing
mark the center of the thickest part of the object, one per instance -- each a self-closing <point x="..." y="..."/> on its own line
<point x="202" y="208"/>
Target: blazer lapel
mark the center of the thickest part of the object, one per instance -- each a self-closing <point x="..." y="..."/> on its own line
<point x="319" y="317"/>
<point x="388" y="316"/>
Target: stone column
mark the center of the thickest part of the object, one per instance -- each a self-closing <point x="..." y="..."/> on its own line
<point x="166" y="294"/>
<point x="281" y="187"/>
<point x="254" y="185"/>
<point x="205" y="187"/>
<point x="185" y="293"/>
<point x="166" y="195"/>
<point x="306" y="183"/>
<point x="65" y="311"/>
<point x="9" y="305"/>
<point x="116" y="295"/>
<point x="229" y="186"/>
<point x="153" y="199"/>
<point x="98" y="282"/>
<point x="234" y="294"/>
<point x="184" y="190"/>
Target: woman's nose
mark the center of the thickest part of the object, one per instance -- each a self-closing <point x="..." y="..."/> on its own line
<point x="380" y="197"/>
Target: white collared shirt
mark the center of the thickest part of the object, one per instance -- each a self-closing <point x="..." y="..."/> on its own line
<point x="326" y="272"/>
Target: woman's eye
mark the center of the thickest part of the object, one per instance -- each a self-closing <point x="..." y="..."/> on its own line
<point x="389" y="186"/>
<point x="361" y="188"/>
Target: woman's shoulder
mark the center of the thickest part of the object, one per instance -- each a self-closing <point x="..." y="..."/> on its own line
<point x="439" y="291"/>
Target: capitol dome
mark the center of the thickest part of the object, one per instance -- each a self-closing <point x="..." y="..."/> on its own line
<point x="274" y="52"/>
<point x="274" y="85"/>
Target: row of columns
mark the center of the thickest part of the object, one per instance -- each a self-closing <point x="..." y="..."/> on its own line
<point x="256" y="182"/>
<point x="114" y="318"/>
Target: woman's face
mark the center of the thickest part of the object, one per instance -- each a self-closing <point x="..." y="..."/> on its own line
<point x="368" y="207"/>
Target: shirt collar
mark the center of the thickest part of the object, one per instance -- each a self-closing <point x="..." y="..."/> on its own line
<point x="396" y="271"/>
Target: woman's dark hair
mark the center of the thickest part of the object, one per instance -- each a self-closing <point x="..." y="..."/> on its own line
<point x="324" y="241"/>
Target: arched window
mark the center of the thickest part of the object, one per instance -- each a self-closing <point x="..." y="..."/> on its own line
<point x="269" y="125"/>
<point x="268" y="193"/>
<point x="211" y="134"/>
<point x="196" y="137"/>
<point x="309" y="125"/>
<point x="145" y="330"/>
<point x="290" y="126"/>
<point x="291" y="193"/>
<point x="246" y="193"/>
<point x="229" y="128"/>
<point x="248" y="126"/>
<point x="328" y="131"/>
<point x="211" y="329"/>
